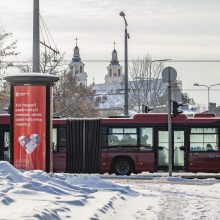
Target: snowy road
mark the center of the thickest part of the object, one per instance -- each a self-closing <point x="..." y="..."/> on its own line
<point x="170" y="198"/>
<point x="36" y="195"/>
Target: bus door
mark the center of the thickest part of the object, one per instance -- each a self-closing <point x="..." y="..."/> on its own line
<point x="178" y="154"/>
<point x="5" y="144"/>
<point x="179" y="150"/>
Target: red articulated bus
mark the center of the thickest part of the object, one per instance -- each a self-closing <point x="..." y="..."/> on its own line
<point x="130" y="145"/>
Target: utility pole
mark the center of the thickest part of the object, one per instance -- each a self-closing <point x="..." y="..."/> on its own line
<point x="170" y="156"/>
<point x="126" y="71"/>
<point x="126" y="64"/>
<point x="36" y="38"/>
<point x="169" y="75"/>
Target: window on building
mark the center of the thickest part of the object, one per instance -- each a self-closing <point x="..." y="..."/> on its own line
<point x="81" y="69"/>
<point x="115" y="74"/>
<point x="204" y="139"/>
<point x="110" y="72"/>
<point x="119" y="72"/>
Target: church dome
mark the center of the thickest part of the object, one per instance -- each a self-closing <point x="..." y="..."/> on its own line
<point x="114" y="57"/>
<point x="76" y="55"/>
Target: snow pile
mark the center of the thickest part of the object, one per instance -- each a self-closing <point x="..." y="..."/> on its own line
<point x="26" y="195"/>
<point x="38" y="195"/>
<point x="10" y="174"/>
<point x="97" y="183"/>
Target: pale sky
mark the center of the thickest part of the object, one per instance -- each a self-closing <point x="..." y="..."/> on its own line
<point x="174" y="29"/>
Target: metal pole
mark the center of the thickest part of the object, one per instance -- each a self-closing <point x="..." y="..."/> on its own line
<point x="149" y="86"/>
<point x="170" y="126"/>
<point x="126" y="70"/>
<point x="208" y="98"/>
<point x="36" y="38"/>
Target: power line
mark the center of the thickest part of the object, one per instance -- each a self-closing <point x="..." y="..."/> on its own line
<point x="199" y="90"/>
<point x="48" y="36"/>
<point x="174" y="61"/>
<point x="194" y="61"/>
<point x="169" y="61"/>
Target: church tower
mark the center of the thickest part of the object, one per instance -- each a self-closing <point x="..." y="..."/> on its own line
<point x="77" y="67"/>
<point x="114" y="69"/>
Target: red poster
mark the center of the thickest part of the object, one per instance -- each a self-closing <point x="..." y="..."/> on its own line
<point x="51" y="127"/>
<point x="30" y="127"/>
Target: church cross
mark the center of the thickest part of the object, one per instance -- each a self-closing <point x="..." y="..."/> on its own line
<point x="114" y="44"/>
<point x="76" y="40"/>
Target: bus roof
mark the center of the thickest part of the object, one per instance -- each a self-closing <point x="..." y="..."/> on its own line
<point x="151" y="118"/>
<point x="162" y="118"/>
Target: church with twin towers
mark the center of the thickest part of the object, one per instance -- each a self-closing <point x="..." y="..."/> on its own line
<point x="114" y="69"/>
<point x="108" y="95"/>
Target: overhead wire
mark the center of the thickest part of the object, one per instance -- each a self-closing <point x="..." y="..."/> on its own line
<point x="45" y="30"/>
<point x="41" y="32"/>
<point x="50" y="45"/>
<point x="48" y="33"/>
<point x="99" y="61"/>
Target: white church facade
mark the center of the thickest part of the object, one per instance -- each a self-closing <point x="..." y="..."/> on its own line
<point x="114" y="69"/>
<point x="76" y="67"/>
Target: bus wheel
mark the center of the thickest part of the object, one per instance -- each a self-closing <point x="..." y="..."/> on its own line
<point x="123" y="166"/>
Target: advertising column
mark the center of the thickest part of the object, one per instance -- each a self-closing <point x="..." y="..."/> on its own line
<point x="29" y="127"/>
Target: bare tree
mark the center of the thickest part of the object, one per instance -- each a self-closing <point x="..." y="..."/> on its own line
<point x="187" y="100"/>
<point x="7" y="44"/>
<point x="7" y="48"/>
<point x="51" y="63"/>
<point x="4" y="97"/>
<point x="148" y="89"/>
<point x="146" y="86"/>
<point x="71" y="99"/>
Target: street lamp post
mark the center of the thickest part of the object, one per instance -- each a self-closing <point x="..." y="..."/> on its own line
<point x="208" y="88"/>
<point x="36" y="37"/>
<point x="126" y="64"/>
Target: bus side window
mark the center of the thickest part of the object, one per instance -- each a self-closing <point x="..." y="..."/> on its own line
<point x="104" y="137"/>
<point x="6" y="146"/>
<point x="204" y="139"/>
<point x="55" y="147"/>
<point x="146" y="139"/>
<point x="62" y="139"/>
<point x="122" y="137"/>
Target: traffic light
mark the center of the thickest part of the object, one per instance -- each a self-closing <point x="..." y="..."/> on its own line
<point x="176" y="110"/>
<point x="7" y="109"/>
<point x="146" y="109"/>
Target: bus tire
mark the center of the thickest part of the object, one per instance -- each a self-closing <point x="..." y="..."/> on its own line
<point x="123" y="166"/>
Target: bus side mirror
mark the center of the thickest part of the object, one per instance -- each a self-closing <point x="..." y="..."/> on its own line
<point x="160" y="148"/>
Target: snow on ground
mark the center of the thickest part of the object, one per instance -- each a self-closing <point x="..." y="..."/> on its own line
<point x="37" y="195"/>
